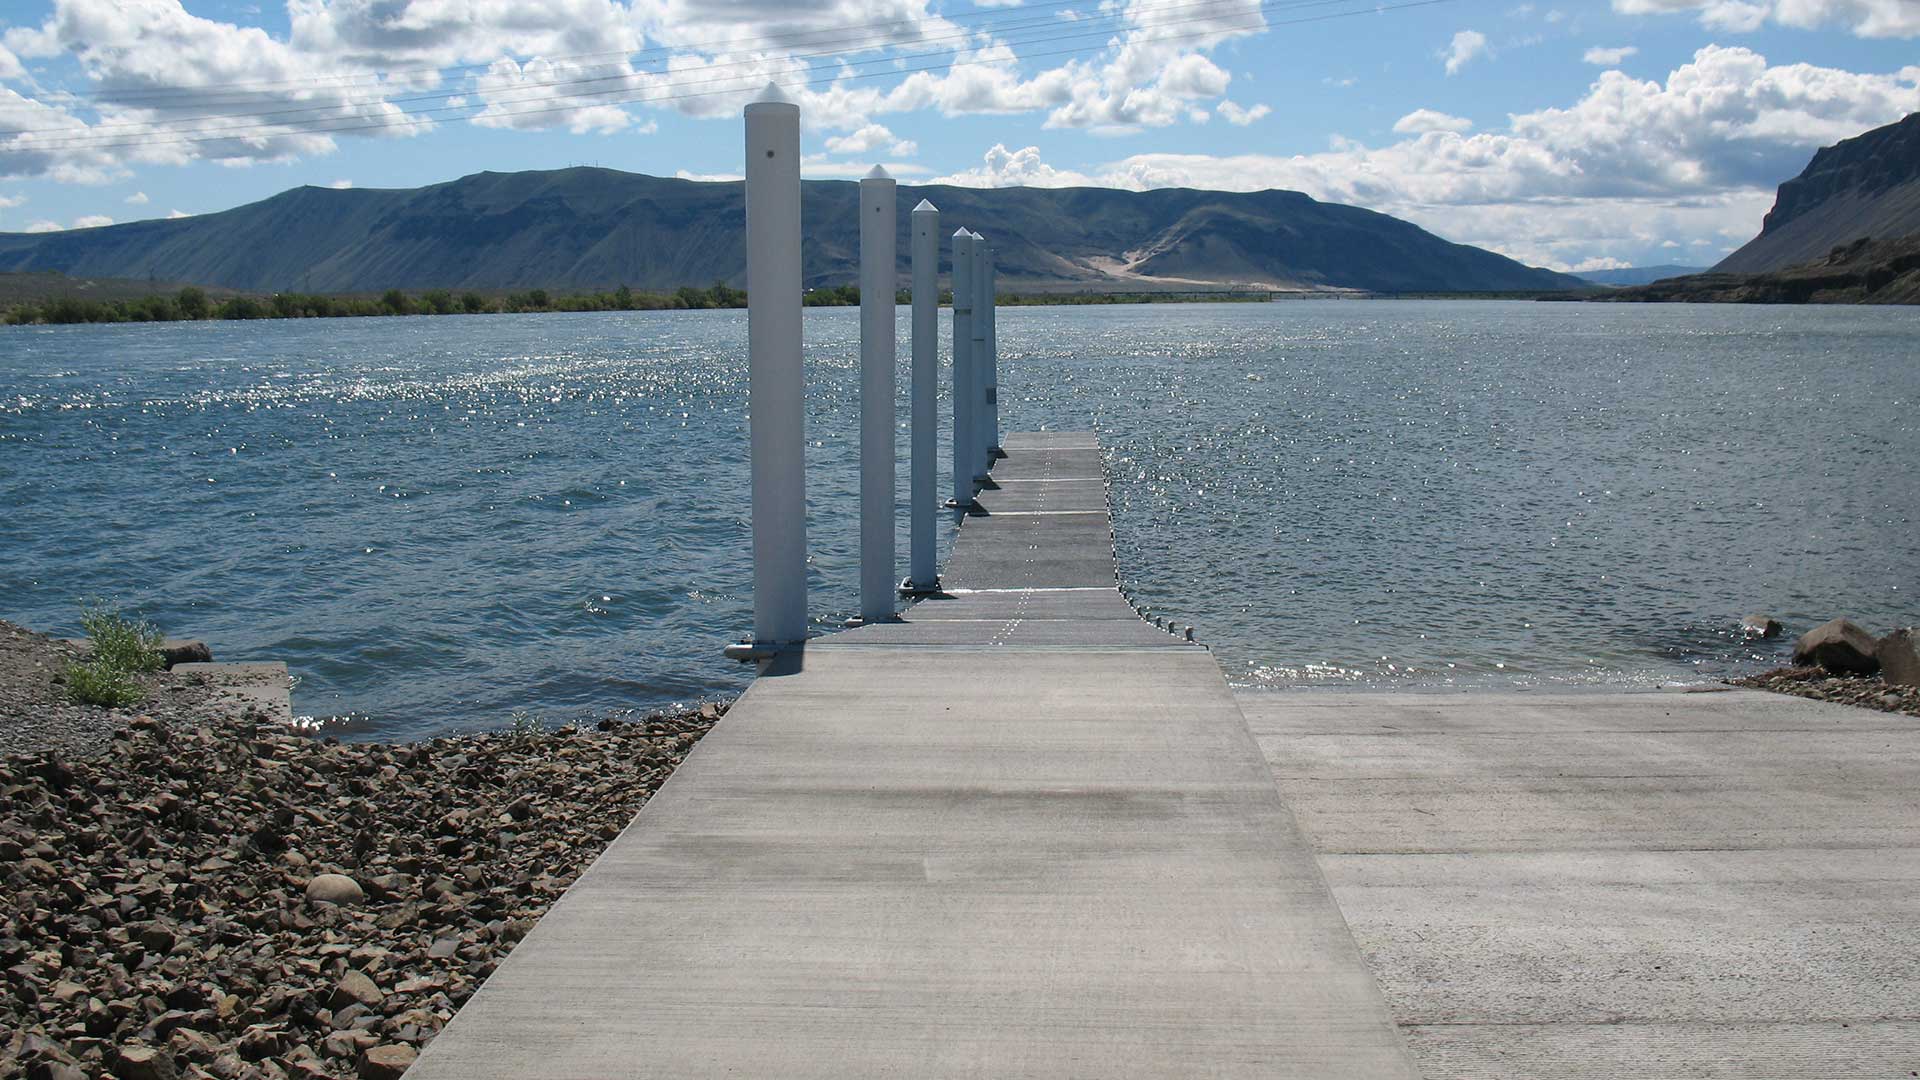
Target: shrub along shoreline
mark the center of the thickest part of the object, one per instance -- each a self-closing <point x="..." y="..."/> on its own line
<point x="192" y="304"/>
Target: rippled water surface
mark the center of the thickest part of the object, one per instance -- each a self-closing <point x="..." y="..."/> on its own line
<point x="438" y="520"/>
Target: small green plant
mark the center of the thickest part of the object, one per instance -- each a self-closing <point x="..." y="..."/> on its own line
<point x="119" y="643"/>
<point x="522" y="724"/>
<point x="94" y="682"/>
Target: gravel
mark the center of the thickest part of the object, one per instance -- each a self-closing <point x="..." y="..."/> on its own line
<point x="35" y="714"/>
<point x="166" y="904"/>
<point x="1865" y="691"/>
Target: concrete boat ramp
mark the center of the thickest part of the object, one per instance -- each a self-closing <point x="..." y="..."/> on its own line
<point x="1022" y="833"/>
<point x="1019" y="833"/>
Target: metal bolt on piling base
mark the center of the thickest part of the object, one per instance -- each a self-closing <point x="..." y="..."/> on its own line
<point x="908" y="588"/>
<point x="748" y="652"/>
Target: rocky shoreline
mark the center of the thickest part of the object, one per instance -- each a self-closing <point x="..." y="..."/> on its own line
<point x="189" y="893"/>
<point x="1865" y="691"/>
<point x="35" y="714"/>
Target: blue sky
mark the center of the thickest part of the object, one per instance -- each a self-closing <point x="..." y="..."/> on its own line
<point x="1572" y="135"/>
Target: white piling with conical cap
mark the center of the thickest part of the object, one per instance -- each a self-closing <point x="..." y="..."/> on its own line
<point x="924" y="468"/>
<point x="990" y="363"/>
<point x="964" y="430"/>
<point x="977" y="388"/>
<point x="776" y="393"/>
<point x="878" y="586"/>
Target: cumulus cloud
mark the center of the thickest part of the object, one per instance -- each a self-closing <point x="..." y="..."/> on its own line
<point x="1864" y="18"/>
<point x="1466" y="47"/>
<point x="1608" y="57"/>
<point x="138" y="198"/>
<point x="91" y="221"/>
<point x="8" y="202"/>
<point x="174" y="214"/>
<point x="544" y="94"/>
<point x="1626" y="167"/>
<point x="1001" y="167"/>
<point x="1235" y="114"/>
<point x="45" y="226"/>
<point x="341" y="184"/>
<point x="869" y="139"/>
<point x="10" y="66"/>
<point x="1424" y="120"/>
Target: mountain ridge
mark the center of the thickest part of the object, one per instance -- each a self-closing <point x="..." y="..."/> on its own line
<point x="1865" y="187"/>
<point x="587" y="227"/>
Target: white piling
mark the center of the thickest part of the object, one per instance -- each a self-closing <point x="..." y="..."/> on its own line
<point x="992" y="362"/>
<point x="923" y="471"/>
<point x="977" y="388"/>
<point x="776" y="392"/>
<point x="878" y="587"/>
<point x="964" y="461"/>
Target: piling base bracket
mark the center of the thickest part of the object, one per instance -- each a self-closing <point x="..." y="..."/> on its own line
<point x="908" y="588"/>
<point x="749" y="652"/>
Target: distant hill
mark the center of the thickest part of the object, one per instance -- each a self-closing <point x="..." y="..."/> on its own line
<point x="1866" y="186"/>
<point x="1635" y="275"/>
<point x="1863" y="272"/>
<point x="588" y="228"/>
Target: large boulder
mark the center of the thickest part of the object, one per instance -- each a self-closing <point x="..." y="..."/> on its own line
<point x="334" y="889"/>
<point x="184" y="651"/>
<point x="1899" y="656"/>
<point x="1840" y="646"/>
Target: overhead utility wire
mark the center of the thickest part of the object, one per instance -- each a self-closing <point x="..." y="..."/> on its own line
<point x="88" y="139"/>
<point x="1083" y="29"/>
<point x="412" y="120"/>
<point x="775" y="41"/>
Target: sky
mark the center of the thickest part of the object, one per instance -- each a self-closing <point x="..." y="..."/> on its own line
<point x="1573" y="135"/>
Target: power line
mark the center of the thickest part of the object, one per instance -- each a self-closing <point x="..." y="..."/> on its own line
<point x="710" y="46"/>
<point x="416" y="120"/>
<point x="1084" y="29"/>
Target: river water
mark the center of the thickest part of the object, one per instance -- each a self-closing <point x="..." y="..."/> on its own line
<point x="436" y="521"/>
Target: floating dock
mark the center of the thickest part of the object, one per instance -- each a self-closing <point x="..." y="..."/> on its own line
<point x="1017" y="833"/>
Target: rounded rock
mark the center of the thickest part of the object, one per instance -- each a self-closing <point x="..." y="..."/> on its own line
<point x="334" y="889"/>
<point x="386" y="1061"/>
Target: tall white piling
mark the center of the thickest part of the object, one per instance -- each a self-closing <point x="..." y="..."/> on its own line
<point x="923" y="471"/>
<point x="776" y="391"/>
<point x="991" y="363"/>
<point x="964" y="461"/>
<point x="878" y="587"/>
<point x="982" y="300"/>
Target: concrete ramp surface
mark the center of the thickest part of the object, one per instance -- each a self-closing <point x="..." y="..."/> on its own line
<point x="1017" y="834"/>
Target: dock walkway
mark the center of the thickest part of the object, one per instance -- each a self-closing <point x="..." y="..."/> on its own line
<point x="1018" y="833"/>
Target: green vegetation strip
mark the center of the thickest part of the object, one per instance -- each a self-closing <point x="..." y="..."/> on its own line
<point x="193" y="304"/>
<point x="122" y="650"/>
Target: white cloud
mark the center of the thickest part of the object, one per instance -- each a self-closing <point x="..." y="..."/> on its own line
<point x="1424" y="120"/>
<point x="1001" y="167"/>
<point x="1628" y="166"/>
<point x="542" y="94"/>
<point x="1234" y="114"/>
<point x="1599" y="262"/>
<point x="138" y="198"/>
<point x="176" y="214"/>
<point x="8" y="202"/>
<point x="10" y="66"/>
<point x="45" y="226"/>
<point x="1864" y="18"/>
<point x="821" y="169"/>
<point x="871" y="138"/>
<point x="1467" y="46"/>
<point x="1609" y="57"/>
<point x="341" y="184"/>
<point x="92" y="221"/>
